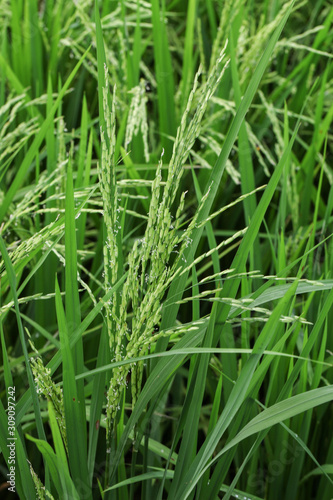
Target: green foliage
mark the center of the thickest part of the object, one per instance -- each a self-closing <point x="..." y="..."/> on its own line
<point x="166" y="254"/>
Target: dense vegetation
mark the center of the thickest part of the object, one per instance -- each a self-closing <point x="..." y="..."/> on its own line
<point x="166" y="274"/>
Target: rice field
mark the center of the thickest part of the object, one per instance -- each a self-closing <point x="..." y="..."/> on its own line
<point x="166" y="249"/>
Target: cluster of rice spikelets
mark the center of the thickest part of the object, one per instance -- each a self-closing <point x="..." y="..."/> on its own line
<point x="41" y="491"/>
<point x="50" y="391"/>
<point x="137" y="117"/>
<point x="151" y="267"/>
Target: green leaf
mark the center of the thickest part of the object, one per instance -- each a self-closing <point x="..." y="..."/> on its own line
<point x="73" y="406"/>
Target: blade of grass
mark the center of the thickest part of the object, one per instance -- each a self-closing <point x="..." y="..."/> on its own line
<point x="101" y="65"/>
<point x="97" y="399"/>
<point x="73" y="311"/>
<point x="73" y="413"/>
<point x="245" y="160"/>
<point x="187" y="72"/>
<point x="165" y="80"/>
<point x="57" y="439"/>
